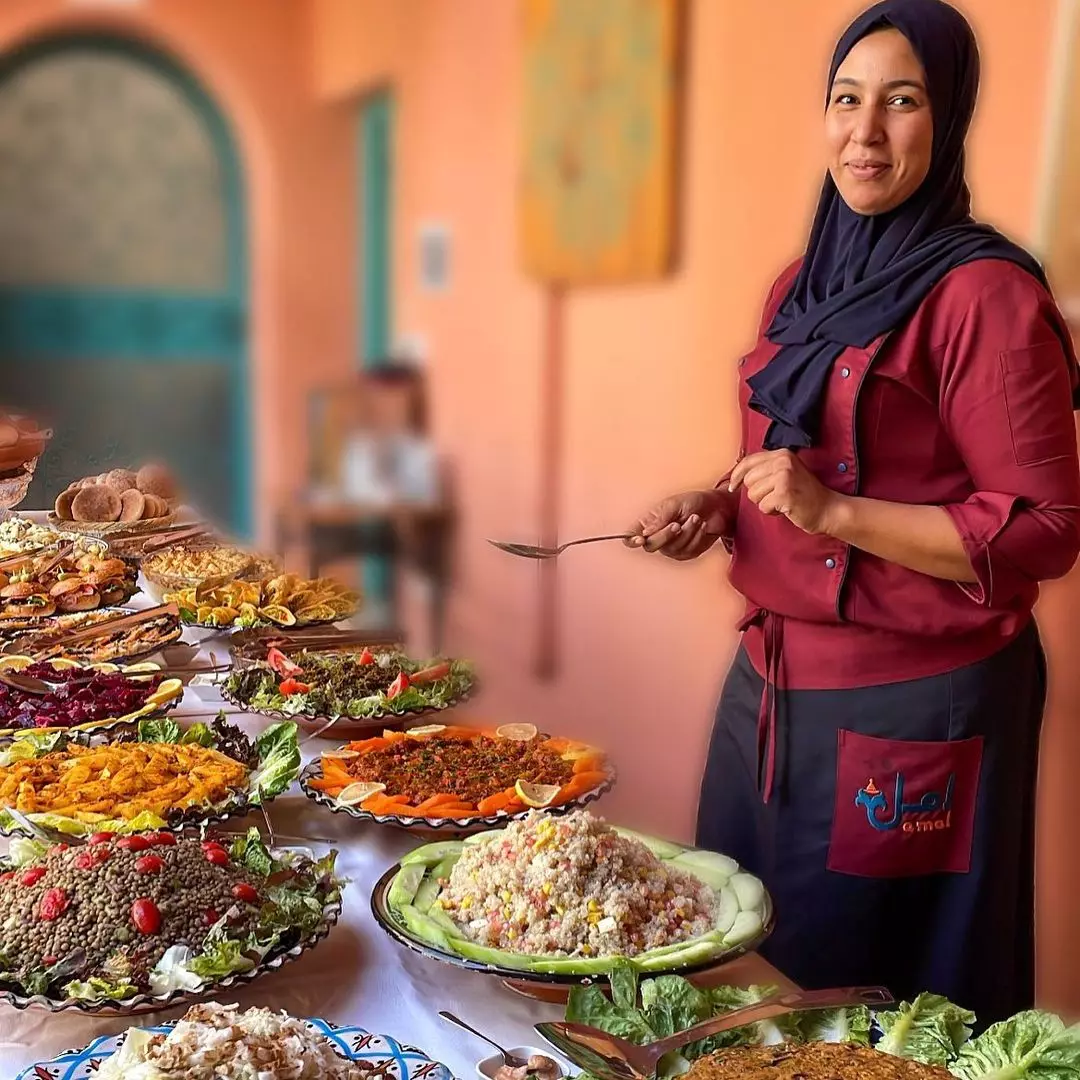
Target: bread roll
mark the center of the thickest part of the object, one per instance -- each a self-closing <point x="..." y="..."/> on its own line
<point x="96" y="503"/>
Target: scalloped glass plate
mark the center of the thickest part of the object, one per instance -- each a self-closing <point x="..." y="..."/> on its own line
<point x="388" y="1057"/>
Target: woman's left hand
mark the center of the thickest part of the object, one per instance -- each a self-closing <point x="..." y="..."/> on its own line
<point x="777" y="482"/>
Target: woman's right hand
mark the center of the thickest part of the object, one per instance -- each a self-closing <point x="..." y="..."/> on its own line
<point x="684" y="526"/>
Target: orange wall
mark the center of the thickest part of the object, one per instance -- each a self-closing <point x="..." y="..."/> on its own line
<point x="254" y="58"/>
<point x="649" y="402"/>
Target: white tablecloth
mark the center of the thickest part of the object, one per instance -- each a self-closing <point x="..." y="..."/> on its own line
<point x="356" y="976"/>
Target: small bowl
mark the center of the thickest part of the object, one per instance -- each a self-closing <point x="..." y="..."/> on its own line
<point x="487" y="1068"/>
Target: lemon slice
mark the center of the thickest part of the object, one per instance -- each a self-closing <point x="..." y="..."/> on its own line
<point x="341" y="755"/>
<point x="517" y="732"/>
<point x="169" y="689"/>
<point x="355" y="794"/>
<point x="427" y="729"/>
<point x="536" y="795"/>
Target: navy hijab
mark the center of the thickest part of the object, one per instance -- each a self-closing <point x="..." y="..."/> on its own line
<point x="863" y="276"/>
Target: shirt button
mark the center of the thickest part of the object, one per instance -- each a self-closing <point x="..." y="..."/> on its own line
<point x="842" y="467"/>
<point x="830" y="564"/>
<point x="845" y="372"/>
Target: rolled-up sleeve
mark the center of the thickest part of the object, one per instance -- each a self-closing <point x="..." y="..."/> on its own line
<point x="1007" y="381"/>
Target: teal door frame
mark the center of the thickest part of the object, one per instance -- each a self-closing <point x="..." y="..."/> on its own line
<point x="132" y="324"/>
<point x="375" y="176"/>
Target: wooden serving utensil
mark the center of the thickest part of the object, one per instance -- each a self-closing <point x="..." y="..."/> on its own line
<point x="110" y="626"/>
<point x="174" y="534"/>
<point x="23" y="556"/>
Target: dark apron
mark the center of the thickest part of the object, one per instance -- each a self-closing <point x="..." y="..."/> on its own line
<point x="898" y="842"/>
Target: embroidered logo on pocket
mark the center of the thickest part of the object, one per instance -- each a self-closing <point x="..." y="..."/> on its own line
<point x="904" y="808"/>
<point x="931" y="813"/>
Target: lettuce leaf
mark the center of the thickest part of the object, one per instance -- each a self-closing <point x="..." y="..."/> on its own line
<point x="250" y="851"/>
<point x="159" y="731"/>
<point x="219" y="958"/>
<point x="32" y="744"/>
<point x="98" y="989"/>
<point x="850" y="1025"/>
<point x="1031" y="1044"/>
<point x="23" y="850"/>
<point x="279" y="761"/>
<point x="198" y="733"/>
<point x="931" y="1029"/>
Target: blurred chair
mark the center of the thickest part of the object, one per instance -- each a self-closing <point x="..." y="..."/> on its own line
<point x="377" y="489"/>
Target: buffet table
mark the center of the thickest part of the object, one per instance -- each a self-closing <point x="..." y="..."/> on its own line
<point x="358" y="975"/>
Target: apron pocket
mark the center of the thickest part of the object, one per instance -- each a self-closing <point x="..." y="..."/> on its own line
<point x="904" y="809"/>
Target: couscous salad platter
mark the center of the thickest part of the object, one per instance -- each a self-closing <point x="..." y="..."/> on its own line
<point x="560" y="899"/>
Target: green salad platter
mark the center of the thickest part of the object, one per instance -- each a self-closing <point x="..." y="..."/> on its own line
<point x="405" y="904"/>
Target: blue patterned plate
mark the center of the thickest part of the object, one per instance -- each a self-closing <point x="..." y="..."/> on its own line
<point x="394" y="1060"/>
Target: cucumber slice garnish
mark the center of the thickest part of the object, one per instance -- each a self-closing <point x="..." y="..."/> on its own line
<point x="405" y="885"/>
<point x="662" y="849"/>
<point x="750" y="891"/>
<point x="430" y="854"/>
<point x="426" y="894"/>
<point x="747" y="926"/>
<point x="727" y="910"/>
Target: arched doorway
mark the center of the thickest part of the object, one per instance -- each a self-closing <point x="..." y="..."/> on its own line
<point x="123" y="268"/>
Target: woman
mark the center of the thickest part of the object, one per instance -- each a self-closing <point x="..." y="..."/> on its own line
<point x="908" y="475"/>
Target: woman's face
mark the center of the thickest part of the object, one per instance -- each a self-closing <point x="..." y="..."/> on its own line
<point x="879" y="131"/>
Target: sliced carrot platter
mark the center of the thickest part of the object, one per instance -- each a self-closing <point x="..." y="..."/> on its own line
<point x="440" y="772"/>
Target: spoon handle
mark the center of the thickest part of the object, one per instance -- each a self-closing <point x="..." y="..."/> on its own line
<point x="451" y="1018"/>
<point x="598" y="539"/>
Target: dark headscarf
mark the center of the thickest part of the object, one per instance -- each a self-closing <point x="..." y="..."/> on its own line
<point x="862" y="276"/>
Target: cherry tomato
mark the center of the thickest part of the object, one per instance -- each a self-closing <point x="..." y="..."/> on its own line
<point x="9" y="876"/>
<point x="366" y="657"/>
<point x="216" y="856"/>
<point x="32" y="876"/>
<point x="133" y="843"/>
<point x="145" y="916"/>
<point x="162" y="839"/>
<point x="102" y="838"/>
<point x="149" y="864"/>
<point x="53" y="904"/>
<point x="48" y="961"/>
<point x="211" y="845"/>
<point x="59" y="847"/>
<point x="211" y="916"/>
<point x="245" y="893"/>
<point x="102" y="854"/>
<point x="85" y="860"/>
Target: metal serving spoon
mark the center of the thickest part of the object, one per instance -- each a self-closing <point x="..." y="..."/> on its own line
<point x="509" y="1060"/>
<point x="532" y="551"/>
<point x="611" y="1058"/>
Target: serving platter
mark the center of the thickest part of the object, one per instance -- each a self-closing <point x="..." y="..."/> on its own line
<point x="543" y="986"/>
<point x="285" y="865"/>
<point x="21" y="642"/>
<point x="455" y="826"/>
<point x="387" y="1057"/>
<point x="165" y="698"/>
<point x="148" y="1003"/>
<point x="279" y="739"/>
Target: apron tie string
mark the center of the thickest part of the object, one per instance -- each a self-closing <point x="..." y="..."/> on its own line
<point x="772" y="627"/>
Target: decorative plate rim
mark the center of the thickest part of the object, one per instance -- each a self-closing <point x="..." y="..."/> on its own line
<point x="384" y="918"/>
<point x="475" y="821"/>
<point x="132" y="1006"/>
<point x="335" y="1032"/>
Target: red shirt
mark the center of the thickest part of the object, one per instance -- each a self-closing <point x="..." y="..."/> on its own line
<point x="967" y="406"/>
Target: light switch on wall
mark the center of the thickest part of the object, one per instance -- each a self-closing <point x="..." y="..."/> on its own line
<point x="434" y="257"/>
